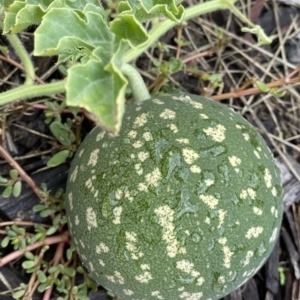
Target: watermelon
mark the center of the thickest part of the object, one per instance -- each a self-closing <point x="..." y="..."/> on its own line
<point x="184" y="203"/>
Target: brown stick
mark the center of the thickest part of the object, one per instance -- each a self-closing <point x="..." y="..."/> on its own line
<point x="6" y="155"/>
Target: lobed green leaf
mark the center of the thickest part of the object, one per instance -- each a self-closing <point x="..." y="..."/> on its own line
<point x="149" y="9"/>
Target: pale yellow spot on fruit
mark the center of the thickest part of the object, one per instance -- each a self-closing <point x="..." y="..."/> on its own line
<point x="157" y="101"/>
<point x="141" y="120"/>
<point x="93" y="158"/>
<point x="274" y="191"/>
<point x="256" y="154"/>
<point x="128" y="196"/>
<point x="200" y="281"/>
<point x="102" y="248"/>
<point x="222" y="240"/>
<point x="145" y="267"/>
<point x="268" y="178"/>
<point x="246" y="136"/>
<point x="195" y="169"/>
<point x="196" y="104"/>
<point x="248" y="257"/>
<point x="274" y="212"/>
<point x="117" y="213"/>
<point x="254" y="232"/>
<point x="157" y="295"/>
<point x="238" y="126"/>
<point x="227" y="257"/>
<point x="111" y="278"/>
<point x="142" y="156"/>
<point x="185" y="266"/>
<point x="81" y="152"/>
<point x="209" y="200"/>
<point x="249" y="192"/>
<point x="168" y="114"/>
<point x="209" y="182"/>
<point x="183" y="141"/>
<point x="82" y="244"/>
<point x="138" y="169"/>
<point x="187" y="99"/>
<point x="132" y="134"/>
<point x="226" y="251"/>
<point x="234" y="161"/>
<point x="207" y="220"/>
<point x="92" y="269"/>
<point x="165" y="219"/>
<point x="142" y="187"/>
<point x="173" y="127"/>
<point x="128" y="292"/>
<point x="119" y="277"/>
<point x="74" y="174"/>
<point x="191" y="296"/>
<point x="221" y="214"/>
<point x="154" y="177"/>
<point x="101" y="262"/>
<point x="257" y="211"/>
<point x="137" y="144"/>
<point x="89" y="184"/>
<point x="91" y="218"/>
<point x="76" y="220"/>
<point x="70" y="198"/>
<point x="131" y="246"/>
<point x="100" y="136"/>
<point x="147" y="136"/>
<point x="204" y="116"/>
<point x="138" y="108"/>
<point x="144" y="278"/>
<point x="217" y="133"/>
<point x="189" y="155"/>
<point x="274" y="235"/>
<point x="118" y="194"/>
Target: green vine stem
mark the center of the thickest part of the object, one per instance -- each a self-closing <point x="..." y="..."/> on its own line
<point x="27" y="91"/>
<point x="24" y="57"/>
<point x="197" y="10"/>
<point x="136" y="82"/>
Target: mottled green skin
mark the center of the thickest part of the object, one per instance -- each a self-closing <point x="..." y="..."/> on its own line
<point x="184" y="203"/>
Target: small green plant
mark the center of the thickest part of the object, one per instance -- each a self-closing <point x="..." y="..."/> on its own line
<point x="33" y="240"/>
<point x="13" y="185"/>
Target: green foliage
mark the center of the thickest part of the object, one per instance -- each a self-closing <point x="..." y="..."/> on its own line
<point x="12" y="186"/>
<point x="167" y="68"/>
<point x="98" y="49"/>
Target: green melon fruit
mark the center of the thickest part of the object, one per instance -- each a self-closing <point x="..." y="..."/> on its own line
<point x="185" y="203"/>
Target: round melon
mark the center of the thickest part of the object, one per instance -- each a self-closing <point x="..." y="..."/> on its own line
<point x="185" y="203"/>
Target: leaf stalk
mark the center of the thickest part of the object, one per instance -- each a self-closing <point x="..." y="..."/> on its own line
<point x="30" y="91"/>
<point x="24" y="57"/>
<point x="136" y="82"/>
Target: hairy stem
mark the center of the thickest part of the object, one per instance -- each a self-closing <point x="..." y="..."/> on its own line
<point x="136" y="82"/>
<point x="27" y="91"/>
<point x="24" y="57"/>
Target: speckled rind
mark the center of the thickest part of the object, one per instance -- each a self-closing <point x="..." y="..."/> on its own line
<point x="185" y="203"/>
